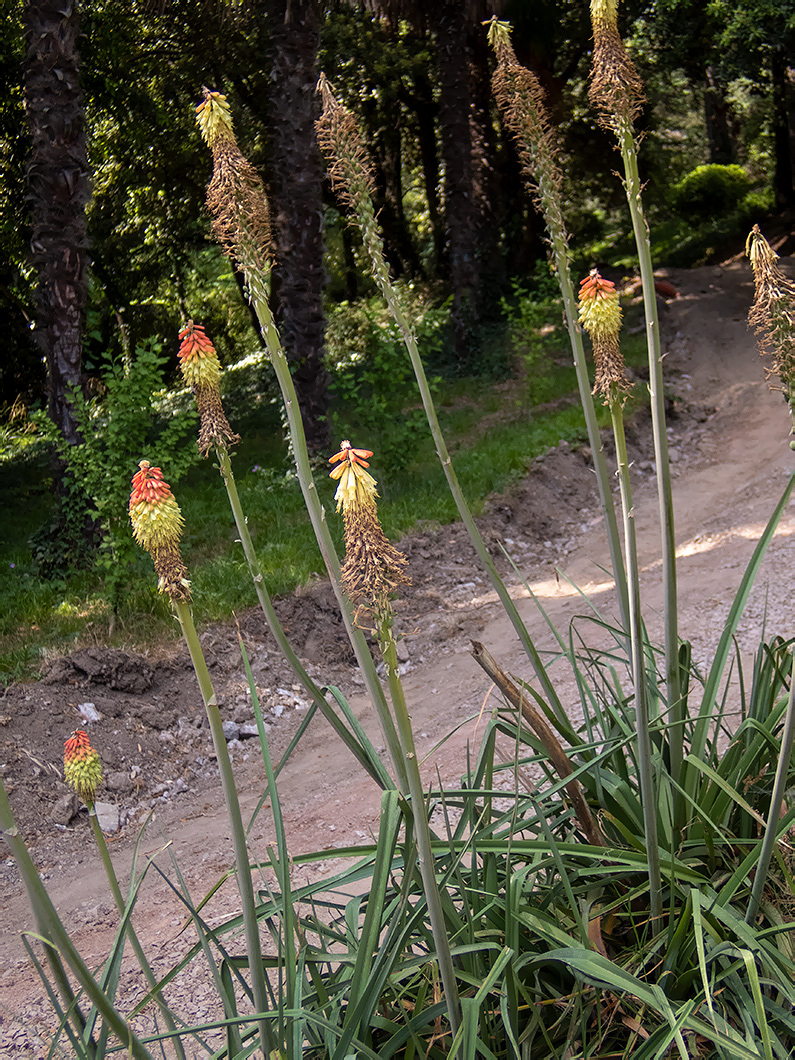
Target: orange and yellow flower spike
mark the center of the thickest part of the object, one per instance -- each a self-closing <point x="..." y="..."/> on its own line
<point x="600" y="315"/>
<point x="373" y="567"/>
<point x="201" y="370"/>
<point x="82" y="767"/>
<point x="157" y="526"/>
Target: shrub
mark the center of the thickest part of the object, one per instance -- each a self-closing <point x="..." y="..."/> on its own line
<point x="372" y="382"/>
<point x="711" y="190"/>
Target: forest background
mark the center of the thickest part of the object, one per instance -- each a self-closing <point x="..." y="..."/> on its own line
<point x="106" y="250"/>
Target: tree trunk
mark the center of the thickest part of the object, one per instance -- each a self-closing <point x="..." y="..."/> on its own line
<point x="421" y="101"/>
<point x="782" y="180"/>
<point x="398" y="247"/>
<point x="491" y="260"/>
<point x="295" y="186"/>
<point x="717" y="117"/>
<point x="460" y="207"/>
<point x="59" y="189"/>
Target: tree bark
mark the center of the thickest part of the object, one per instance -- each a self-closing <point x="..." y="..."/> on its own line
<point x="452" y="49"/>
<point x="782" y="179"/>
<point x="295" y="180"/>
<point x="717" y="117"/>
<point x="58" y="189"/>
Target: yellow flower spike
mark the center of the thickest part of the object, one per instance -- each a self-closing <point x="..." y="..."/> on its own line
<point x="373" y="567"/>
<point x="82" y="767"/>
<point x="214" y="116"/>
<point x="154" y="513"/>
<point x="356" y="486"/>
<point x="235" y="194"/>
<point x="157" y="526"/>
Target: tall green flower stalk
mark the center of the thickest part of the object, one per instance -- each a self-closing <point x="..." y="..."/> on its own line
<point x="773" y="316"/>
<point x="520" y="98"/>
<point x="616" y="92"/>
<point x="201" y="370"/>
<point x="373" y="570"/>
<point x="157" y="526"/>
<point x="83" y="772"/>
<point x="236" y="201"/>
<point x="600" y="315"/>
<point x="351" y="177"/>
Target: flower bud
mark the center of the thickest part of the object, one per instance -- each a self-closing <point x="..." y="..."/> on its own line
<point x="600" y="315"/>
<point x="82" y="767"/>
<point x="201" y="370"/>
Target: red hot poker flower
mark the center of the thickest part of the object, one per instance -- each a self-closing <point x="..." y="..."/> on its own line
<point x="157" y="526"/>
<point x="201" y="370"/>
<point x="82" y="767"/>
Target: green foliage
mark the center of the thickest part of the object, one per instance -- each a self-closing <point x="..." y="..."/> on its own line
<point x="117" y="432"/>
<point x="710" y="191"/>
<point x="373" y="386"/>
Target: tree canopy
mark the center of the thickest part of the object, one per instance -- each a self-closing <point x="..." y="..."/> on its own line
<point x="448" y="189"/>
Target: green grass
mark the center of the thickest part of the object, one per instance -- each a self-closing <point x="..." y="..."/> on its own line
<point x="493" y="430"/>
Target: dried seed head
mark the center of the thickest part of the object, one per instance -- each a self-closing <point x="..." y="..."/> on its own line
<point x="600" y="315"/>
<point x="616" y="89"/>
<point x="520" y="97"/>
<point x="157" y="526"/>
<point x="350" y="171"/>
<point x="201" y="370"/>
<point x="772" y="315"/>
<point x="373" y="567"/>
<point x="82" y="767"/>
<point x="235" y="195"/>
<point x="773" y="310"/>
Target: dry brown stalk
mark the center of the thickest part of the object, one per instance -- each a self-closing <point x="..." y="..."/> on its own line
<point x="540" y="727"/>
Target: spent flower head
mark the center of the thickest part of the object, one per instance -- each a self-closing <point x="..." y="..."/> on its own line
<point x="82" y="767"/>
<point x="235" y="195"/>
<point x="773" y="315"/>
<point x="351" y="174"/>
<point x="373" y="568"/>
<point x="201" y="370"/>
<point x="600" y="315"/>
<point x="520" y="97"/>
<point x="616" y="89"/>
<point x="157" y="526"/>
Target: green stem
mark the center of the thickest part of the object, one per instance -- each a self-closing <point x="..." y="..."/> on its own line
<point x="561" y="254"/>
<point x="266" y="604"/>
<point x="374" y="246"/>
<point x="244" y="883"/>
<point x="776" y="799"/>
<point x="317" y="516"/>
<point x="50" y="927"/>
<point x="121" y="905"/>
<point x="422" y="831"/>
<point x="645" y="767"/>
<point x="676" y="706"/>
